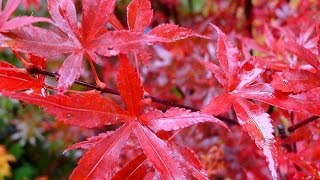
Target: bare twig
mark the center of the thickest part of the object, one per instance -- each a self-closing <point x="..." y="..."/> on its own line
<point x="115" y="92"/>
<point x="302" y="123"/>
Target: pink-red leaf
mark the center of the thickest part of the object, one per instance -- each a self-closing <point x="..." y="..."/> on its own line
<point x="295" y="81"/>
<point x="8" y="10"/>
<point x="114" y="42"/>
<point x="159" y="154"/>
<point x="307" y="102"/>
<point x="98" y="161"/>
<point x="139" y="15"/>
<point x="70" y="70"/>
<point x="177" y="118"/>
<point x="258" y="125"/>
<point x="39" y="41"/>
<point x="76" y="109"/>
<point x="21" y="21"/>
<point x="129" y="86"/>
<point x="171" y="33"/>
<point x="63" y="12"/>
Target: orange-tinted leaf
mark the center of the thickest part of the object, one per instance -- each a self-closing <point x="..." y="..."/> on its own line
<point x="129" y="86"/>
<point x="258" y="125"/>
<point x="159" y="154"/>
<point x="139" y="15"/>
<point x="99" y="161"/>
<point x="295" y="81"/>
<point x="76" y="109"/>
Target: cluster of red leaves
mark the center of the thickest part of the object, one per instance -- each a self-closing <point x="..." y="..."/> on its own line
<point x="290" y="56"/>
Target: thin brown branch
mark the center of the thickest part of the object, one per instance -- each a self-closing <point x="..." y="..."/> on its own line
<point x="115" y="92"/>
<point x="302" y="123"/>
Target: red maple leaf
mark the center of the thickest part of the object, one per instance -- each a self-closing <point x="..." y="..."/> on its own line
<point x="104" y="150"/>
<point x="251" y="117"/>
<point x="92" y="37"/>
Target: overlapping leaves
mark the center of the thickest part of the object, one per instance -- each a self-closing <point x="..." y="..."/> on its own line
<point x="92" y="38"/>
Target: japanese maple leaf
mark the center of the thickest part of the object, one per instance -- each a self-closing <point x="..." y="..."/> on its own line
<point x="91" y="38"/>
<point x="158" y="152"/>
<point x="91" y="110"/>
<point x="17" y="22"/>
<point x="251" y="117"/>
<point x="139" y="17"/>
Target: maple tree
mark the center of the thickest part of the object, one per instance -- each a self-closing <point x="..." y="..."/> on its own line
<point x="158" y="74"/>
